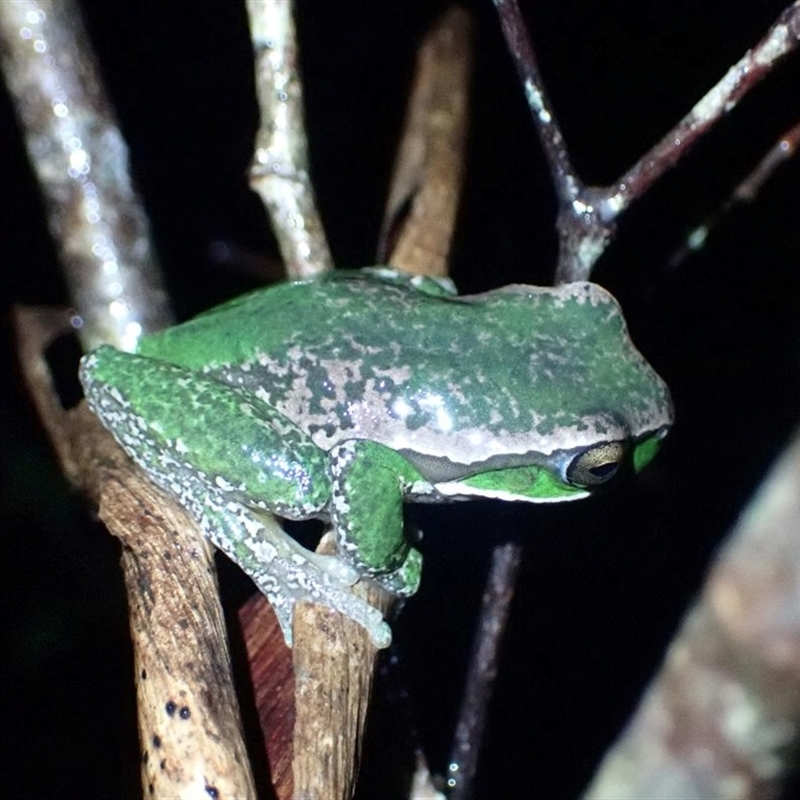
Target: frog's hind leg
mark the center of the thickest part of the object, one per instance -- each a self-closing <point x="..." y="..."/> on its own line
<point x="227" y="461"/>
<point x="178" y="424"/>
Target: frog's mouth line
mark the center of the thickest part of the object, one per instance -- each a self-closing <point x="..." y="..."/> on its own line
<point x="442" y="470"/>
<point x="456" y="490"/>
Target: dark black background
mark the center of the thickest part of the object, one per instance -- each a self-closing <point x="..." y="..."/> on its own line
<point x="605" y="582"/>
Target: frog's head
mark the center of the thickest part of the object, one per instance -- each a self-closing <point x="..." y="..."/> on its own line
<point x="587" y="401"/>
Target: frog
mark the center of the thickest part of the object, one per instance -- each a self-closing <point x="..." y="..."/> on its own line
<point x="343" y="397"/>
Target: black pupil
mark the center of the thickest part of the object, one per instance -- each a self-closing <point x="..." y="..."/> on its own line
<point x="604" y="470"/>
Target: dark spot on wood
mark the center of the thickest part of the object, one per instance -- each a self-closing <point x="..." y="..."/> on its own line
<point x="183" y="624"/>
<point x="185" y="713"/>
<point x="170" y="707"/>
<point x="162" y="765"/>
<point x="143" y="674"/>
<point x="145" y="757"/>
<point x="151" y="788"/>
<point x="156" y="741"/>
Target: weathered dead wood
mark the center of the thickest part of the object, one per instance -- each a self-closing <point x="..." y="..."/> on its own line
<point x="189" y="726"/>
<point x="426" y="186"/>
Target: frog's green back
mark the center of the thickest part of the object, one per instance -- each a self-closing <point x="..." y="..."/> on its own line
<point x="524" y="359"/>
<point x="326" y="311"/>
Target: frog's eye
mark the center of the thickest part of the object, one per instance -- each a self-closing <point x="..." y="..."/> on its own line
<point x="595" y="465"/>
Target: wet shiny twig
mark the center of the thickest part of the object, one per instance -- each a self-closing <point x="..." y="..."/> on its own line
<point x="781" y="39"/>
<point x="279" y="169"/>
<point x="745" y="192"/>
<point x="586" y="221"/>
<point x="565" y="180"/>
<point x="479" y="687"/>
<point x="583" y="234"/>
<point x="81" y="161"/>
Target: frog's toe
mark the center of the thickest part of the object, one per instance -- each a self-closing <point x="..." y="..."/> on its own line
<point x="289" y="574"/>
<point x="286" y="584"/>
<point x="404" y="581"/>
<point x="334" y="566"/>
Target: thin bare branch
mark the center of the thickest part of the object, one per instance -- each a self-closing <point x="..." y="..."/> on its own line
<point x="587" y="214"/>
<point x="429" y="167"/>
<point x="782" y="151"/>
<point x="720" y="718"/>
<point x="745" y="192"/>
<point x="582" y="234"/>
<point x="782" y="37"/>
<point x="279" y="170"/>
<point x="567" y="184"/>
<point x="81" y="161"/>
<point x="497" y="597"/>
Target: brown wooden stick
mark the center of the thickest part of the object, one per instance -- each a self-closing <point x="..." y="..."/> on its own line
<point x="189" y="727"/>
<point x="334" y="663"/>
<point x="429" y="167"/>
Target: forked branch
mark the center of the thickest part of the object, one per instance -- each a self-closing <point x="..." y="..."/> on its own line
<point x="587" y="215"/>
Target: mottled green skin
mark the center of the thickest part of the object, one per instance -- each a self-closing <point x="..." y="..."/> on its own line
<point x="344" y="396"/>
<point x="520" y="355"/>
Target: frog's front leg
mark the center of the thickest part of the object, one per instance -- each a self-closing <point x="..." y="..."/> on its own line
<point x="369" y="482"/>
<point x="228" y="460"/>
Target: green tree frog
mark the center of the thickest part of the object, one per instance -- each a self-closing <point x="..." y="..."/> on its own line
<point x="342" y="397"/>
